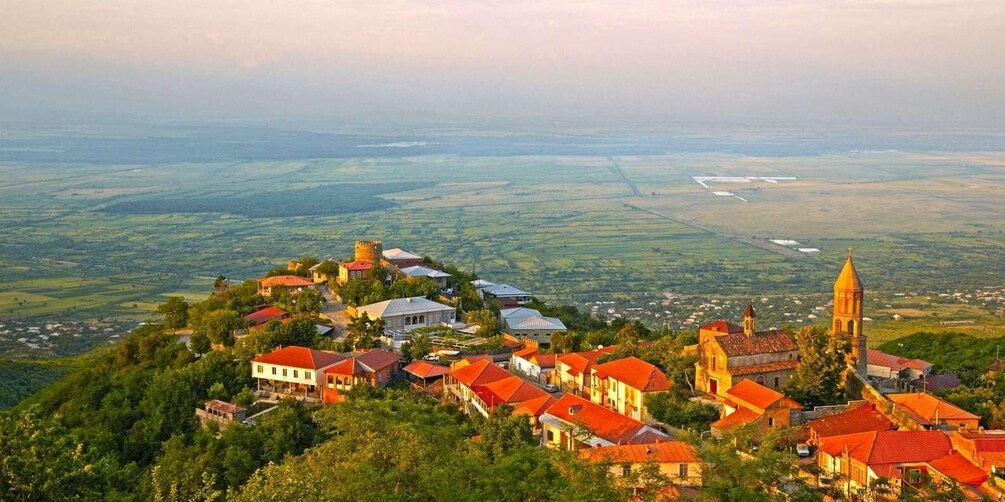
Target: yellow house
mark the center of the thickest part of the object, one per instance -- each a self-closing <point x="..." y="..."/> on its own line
<point x="572" y="370"/>
<point x="677" y="460"/>
<point x="623" y="385"/>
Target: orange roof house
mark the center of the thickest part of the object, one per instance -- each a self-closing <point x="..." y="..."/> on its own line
<point x="573" y="422"/>
<point x="533" y="364"/>
<point x="265" y="315"/>
<point x="910" y="457"/>
<point x="983" y="448"/>
<point x="293" y="371"/>
<point x="299" y="357"/>
<point x="728" y="353"/>
<point x="294" y="283"/>
<point x="748" y="402"/>
<point x="353" y="270"/>
<point x="862" y="419"/>
<point x="513" y="391"/>
<point x="376" y="368"/>
<point x="426" y="371"/>
<point x="624" y="384"/>
<point x="676" y="459"/>
<point x="931" y="412"/>
<point x="572" y="370"/>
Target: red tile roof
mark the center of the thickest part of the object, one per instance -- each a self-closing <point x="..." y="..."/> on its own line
<point x="356" y="265"/>
<point x="889" y="447"/>
<point x="862" y="419"/>
<point x="928" y="409"/>
<point x="369" y="362"/>
<point x="751" y="394"/>
<point x="602" y="422"/>
<point x="534" y="407"/>
<point x="634" y="373"/>
<point x="742" y="416"/>
<point x="422" y="369"/>
<point x="286" y="281"/>
<point x="580" y="362"/>
<point x="378" y="359"/>
<point x="664" y="452"/>
<point x="956" y="466"/>
<point x="763" y="368"/>
<point x="765" y="342"/>
<point x="300" y="357"/>
<point x="265" y="315"/>
<point x="510" y="390"/>
<point x="480" y="372"/>
<point x="348" y="367"/>
<point x="544" y="360"/>
<point x="896" y="363"/>
<point x="723" y="327"/>
<point x="529" y="351"/>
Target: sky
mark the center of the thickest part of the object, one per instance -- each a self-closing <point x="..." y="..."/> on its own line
<point x="928" y="63"/>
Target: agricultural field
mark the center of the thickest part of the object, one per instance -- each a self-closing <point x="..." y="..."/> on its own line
<point x="113" y="236"/>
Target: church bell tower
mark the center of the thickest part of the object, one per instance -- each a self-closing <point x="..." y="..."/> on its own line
<point x="848" y="299"/>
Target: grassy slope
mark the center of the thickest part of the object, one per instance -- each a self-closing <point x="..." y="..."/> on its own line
<point x="22" y="378"/>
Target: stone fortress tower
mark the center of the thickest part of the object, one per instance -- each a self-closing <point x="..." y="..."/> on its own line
<point x="369" y="251"/>
<point x="848" y="300"/>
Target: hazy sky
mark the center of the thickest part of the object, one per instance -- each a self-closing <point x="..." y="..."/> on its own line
<point x="937" y="62"/>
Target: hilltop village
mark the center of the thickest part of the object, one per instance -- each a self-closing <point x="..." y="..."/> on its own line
<point x="854" y="422"/>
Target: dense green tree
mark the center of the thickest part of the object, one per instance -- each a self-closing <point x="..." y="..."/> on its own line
<point x="219" y="326"/>
<point x="502" y="432"/>
<point x="201" y="343"/>
<point x="309" y="301"/>
<point x="819" y="378"/>
<point x="41" y="460"/>
<point x="487" y="321"/>
<point x="363" y="332"/>
<point x="569" y="341"/>
<point x="420" y="346"/>
<point x="733" y="471"/>
<point x="673" y="409"/>
<point x="175" y="311"/>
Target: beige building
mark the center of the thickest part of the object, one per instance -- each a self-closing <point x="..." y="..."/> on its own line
<point x="404" y="314"/>
<point x="677" y="460"/>
<point x="625" y="384"/>
<point x="293" y="371"/>
<point x="728" y="354"/>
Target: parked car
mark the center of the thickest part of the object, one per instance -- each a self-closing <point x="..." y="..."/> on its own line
<point x="803" y="450"/>
<point x="550" y="387"/>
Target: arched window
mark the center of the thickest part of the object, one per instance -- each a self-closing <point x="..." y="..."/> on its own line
<point x="422" y="319"/>
<point x="760" y="379"/>
<point x="837" y="325"/>
<point x="408" y="321"/>
<point x="851" y="327"/>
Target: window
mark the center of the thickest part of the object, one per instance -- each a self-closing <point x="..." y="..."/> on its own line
<point x="273" y="370"/>
<point x="626" y="470"/>
<point x="422" y="319"/>
<point x="408" y="321"/>
<point x="771" y="422"/>
<point x="682" y="470"/>
<point x="295" y="374"/>
<point x="307" y="375"/>
<point x="914" y="476"/>
<point x="284" y="371"/>
<point x="331" y="382"/>
<point x="551" y="436"/>
<point x="261" y="369"/>
<point x="776" y="382"/>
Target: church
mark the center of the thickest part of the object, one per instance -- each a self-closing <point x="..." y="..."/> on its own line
<point x="729" y="353"/>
